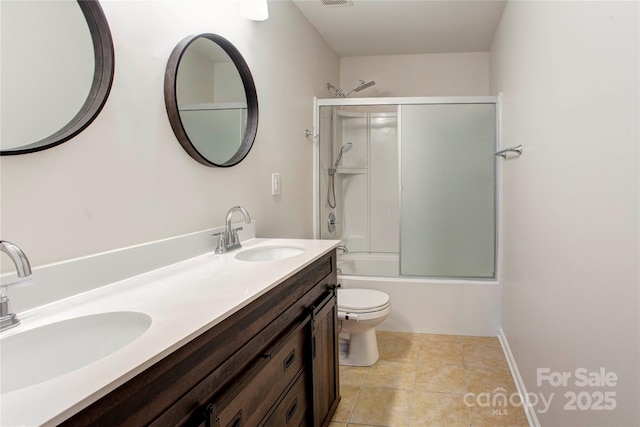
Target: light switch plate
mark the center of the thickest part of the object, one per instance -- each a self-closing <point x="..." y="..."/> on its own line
<point x="275" y="184"/>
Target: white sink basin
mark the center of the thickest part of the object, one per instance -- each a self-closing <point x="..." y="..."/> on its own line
<point x="46" y="352"/>
<point x="269" y="253"/>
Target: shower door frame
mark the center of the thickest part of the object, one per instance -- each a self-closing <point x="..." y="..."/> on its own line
<point x="398" y="102"/>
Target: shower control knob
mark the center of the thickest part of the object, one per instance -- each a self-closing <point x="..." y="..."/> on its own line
<point x="331" y="222"/>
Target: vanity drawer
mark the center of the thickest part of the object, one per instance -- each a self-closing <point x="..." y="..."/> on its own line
<point x="292" y="410"/>
<point x="269" y="376"/>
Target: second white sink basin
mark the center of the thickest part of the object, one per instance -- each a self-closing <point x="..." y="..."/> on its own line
<point x="269" y="253"/>
<point x="46" y="352"/>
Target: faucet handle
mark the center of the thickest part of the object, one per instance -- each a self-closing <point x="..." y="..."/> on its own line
<point x="9" y="319"/>
<point x="234" y="235"/>
<point x="220" y="248"/>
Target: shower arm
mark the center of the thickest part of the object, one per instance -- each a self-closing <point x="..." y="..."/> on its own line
<point x="337" y="90"/>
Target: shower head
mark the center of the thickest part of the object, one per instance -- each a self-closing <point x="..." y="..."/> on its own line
<point x="361" y="86"/>
<point x="364" y="85"/>
<point x="346" y="147"/>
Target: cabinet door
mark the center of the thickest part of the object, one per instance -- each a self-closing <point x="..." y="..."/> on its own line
<point x="324" y="354"/>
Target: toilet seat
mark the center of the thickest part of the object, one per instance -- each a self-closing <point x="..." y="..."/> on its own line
<point x="362" y="300"/>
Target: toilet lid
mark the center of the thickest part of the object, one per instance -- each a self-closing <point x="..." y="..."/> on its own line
<point x="361" y="299"/>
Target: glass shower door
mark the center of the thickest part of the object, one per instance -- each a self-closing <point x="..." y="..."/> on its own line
<point x="447" y="176"/>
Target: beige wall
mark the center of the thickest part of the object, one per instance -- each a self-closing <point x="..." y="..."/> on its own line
<point x="569" y="72"/>
<point x="442" y="74"/>
<point x="126" y="180"/>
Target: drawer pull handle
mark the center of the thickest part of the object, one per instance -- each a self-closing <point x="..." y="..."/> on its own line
<point x="292" y="410"/>
<point x="237" y="421"/>
<point x="289" y="360"/>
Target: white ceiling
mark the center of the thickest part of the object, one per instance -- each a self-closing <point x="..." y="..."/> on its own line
<point x="397" y="27"/>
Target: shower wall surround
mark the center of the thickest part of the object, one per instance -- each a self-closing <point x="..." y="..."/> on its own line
<point x="366" y="182"/>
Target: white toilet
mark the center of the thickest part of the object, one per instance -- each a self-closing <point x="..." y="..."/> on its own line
<point x="360" y="311"/>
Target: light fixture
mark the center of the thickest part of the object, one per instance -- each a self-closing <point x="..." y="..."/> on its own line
<point x="256" y="10"/>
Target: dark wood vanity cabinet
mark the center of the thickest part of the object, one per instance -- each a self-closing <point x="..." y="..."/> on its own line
<point x="272" y="363"/>
<point x="324" y="361"/>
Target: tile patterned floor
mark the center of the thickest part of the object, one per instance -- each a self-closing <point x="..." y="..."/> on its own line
<point x="421" y="380"/>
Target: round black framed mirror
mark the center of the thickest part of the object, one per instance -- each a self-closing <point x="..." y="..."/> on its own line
<point x="211" y="100"/>
<point x="50" y="97"/>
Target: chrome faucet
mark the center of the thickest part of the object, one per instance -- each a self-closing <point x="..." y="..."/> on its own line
<point x="228" y="240"/>
<point x="8" y="318"/>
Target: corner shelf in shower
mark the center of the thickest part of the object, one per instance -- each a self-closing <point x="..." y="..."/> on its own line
<point x="352" y="171"/>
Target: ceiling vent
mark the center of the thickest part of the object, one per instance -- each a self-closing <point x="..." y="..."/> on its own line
<point x="333" y="3"/>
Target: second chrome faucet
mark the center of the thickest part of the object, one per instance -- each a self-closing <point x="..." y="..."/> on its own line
<point x="8" y="319"/>
<point x="229" y="240"/>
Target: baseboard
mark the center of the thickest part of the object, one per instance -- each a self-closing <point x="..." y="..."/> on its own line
<point x="515" y="373"/>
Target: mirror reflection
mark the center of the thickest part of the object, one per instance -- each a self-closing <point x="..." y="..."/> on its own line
<point x="214" y="112"/>
<point x="56" y="68"/>
<point x="211" y="100"/>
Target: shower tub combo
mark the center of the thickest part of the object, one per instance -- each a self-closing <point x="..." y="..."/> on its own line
<point x="417" y="214"/>
<point x="423" y="304"/>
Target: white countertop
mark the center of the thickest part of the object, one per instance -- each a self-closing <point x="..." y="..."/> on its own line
<point x="183" y="300"/>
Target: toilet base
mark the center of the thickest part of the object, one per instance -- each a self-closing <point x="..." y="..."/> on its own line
<point x="362" y="351"/>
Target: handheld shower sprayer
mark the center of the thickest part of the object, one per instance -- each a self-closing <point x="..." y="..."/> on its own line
<point x="346" y="147"/>
<point x="331" y="194"/>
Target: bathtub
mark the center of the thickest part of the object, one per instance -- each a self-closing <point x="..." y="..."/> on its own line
<point x="423" y="304"/>
<point x="366" y="264"/>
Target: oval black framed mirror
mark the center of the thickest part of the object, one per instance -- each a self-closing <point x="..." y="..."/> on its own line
<point x="57" y="70"/>
<point x="211" y="100"/>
